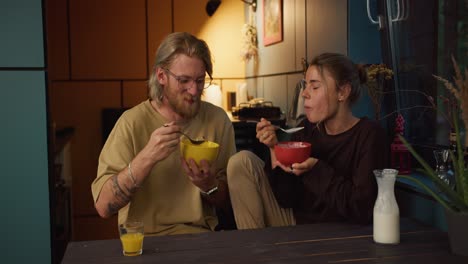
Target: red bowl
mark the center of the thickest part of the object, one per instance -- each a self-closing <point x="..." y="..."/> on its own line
<point x="290" y="152"/>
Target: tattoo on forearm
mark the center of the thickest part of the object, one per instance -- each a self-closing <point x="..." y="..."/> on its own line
<point x="117" y="190"/>
<point x="121" y="196"/>
<point x="130" y="190"/>
<point x="112" y="208"/>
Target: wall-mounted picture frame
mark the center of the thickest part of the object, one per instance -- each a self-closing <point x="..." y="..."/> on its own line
<point x="272" y="21"/>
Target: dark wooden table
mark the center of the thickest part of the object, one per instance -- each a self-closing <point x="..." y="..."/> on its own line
<point x="318" y="243"/>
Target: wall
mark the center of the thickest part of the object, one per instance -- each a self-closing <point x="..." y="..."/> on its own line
<point x="222" y="32"/>
<point x="310" y="27"/>
<point x="25" y="219"/>
<point x="100" y="55"/>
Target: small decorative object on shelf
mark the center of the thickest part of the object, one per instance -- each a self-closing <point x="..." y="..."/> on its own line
<point x="400" y="156"/>
<point x="441" y="159"/>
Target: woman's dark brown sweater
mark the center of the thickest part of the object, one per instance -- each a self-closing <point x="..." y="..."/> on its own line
<point x="341" y="186"/>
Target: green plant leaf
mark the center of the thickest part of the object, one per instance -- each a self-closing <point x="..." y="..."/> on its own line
<point x="454" y="197"/>
<point x="436" y="196"/>
<point x="464" y="183"/>
<point x="461" y="173"/>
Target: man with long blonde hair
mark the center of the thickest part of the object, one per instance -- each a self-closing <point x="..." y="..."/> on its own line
<point x="141" y="174"/>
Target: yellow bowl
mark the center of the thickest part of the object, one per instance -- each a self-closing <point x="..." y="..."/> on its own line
<point x="208" y="151"/>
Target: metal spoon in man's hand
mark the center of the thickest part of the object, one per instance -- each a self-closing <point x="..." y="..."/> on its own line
<point x="196" y="141"/>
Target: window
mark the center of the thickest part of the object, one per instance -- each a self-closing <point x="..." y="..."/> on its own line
<point x="418" y="40"/>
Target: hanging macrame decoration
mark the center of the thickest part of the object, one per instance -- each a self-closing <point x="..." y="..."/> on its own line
<point x="249" y="32"/>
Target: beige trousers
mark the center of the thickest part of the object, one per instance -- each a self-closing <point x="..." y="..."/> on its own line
<point x="252" y="199"/>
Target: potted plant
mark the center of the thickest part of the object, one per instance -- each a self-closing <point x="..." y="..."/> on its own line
<point x="455" y="201"/>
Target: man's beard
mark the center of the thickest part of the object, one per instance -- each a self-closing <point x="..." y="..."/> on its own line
<point x="178" y="104"/>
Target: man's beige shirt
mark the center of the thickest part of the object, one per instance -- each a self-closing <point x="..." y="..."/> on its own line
<point x="167" y="202"/>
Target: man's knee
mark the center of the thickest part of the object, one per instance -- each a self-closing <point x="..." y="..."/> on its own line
<point x="240" y="163"/>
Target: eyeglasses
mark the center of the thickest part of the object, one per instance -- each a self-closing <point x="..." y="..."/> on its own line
<point x="186" y="82"/>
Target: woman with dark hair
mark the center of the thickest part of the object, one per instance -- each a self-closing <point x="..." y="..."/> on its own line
<point x="336" y="183"/>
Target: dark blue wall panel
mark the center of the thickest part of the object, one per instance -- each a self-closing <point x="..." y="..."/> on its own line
<point x="24" y="173"/>
<point x="21" y="33"/>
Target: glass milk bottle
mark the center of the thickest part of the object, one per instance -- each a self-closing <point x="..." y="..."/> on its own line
<point x="386" y="211"/>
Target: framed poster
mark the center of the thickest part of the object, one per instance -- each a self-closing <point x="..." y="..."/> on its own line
<point x="272" y="21"/>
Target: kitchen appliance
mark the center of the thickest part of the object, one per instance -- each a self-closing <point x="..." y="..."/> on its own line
<point x="256" y="109"/>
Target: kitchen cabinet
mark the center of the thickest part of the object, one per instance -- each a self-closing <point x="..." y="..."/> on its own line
<point x="67" y="104"/>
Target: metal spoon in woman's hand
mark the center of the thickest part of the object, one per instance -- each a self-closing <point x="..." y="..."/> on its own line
<point x="288" y="131"/>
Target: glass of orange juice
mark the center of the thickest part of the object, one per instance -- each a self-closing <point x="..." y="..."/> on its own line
<point x="131" y="236"/>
